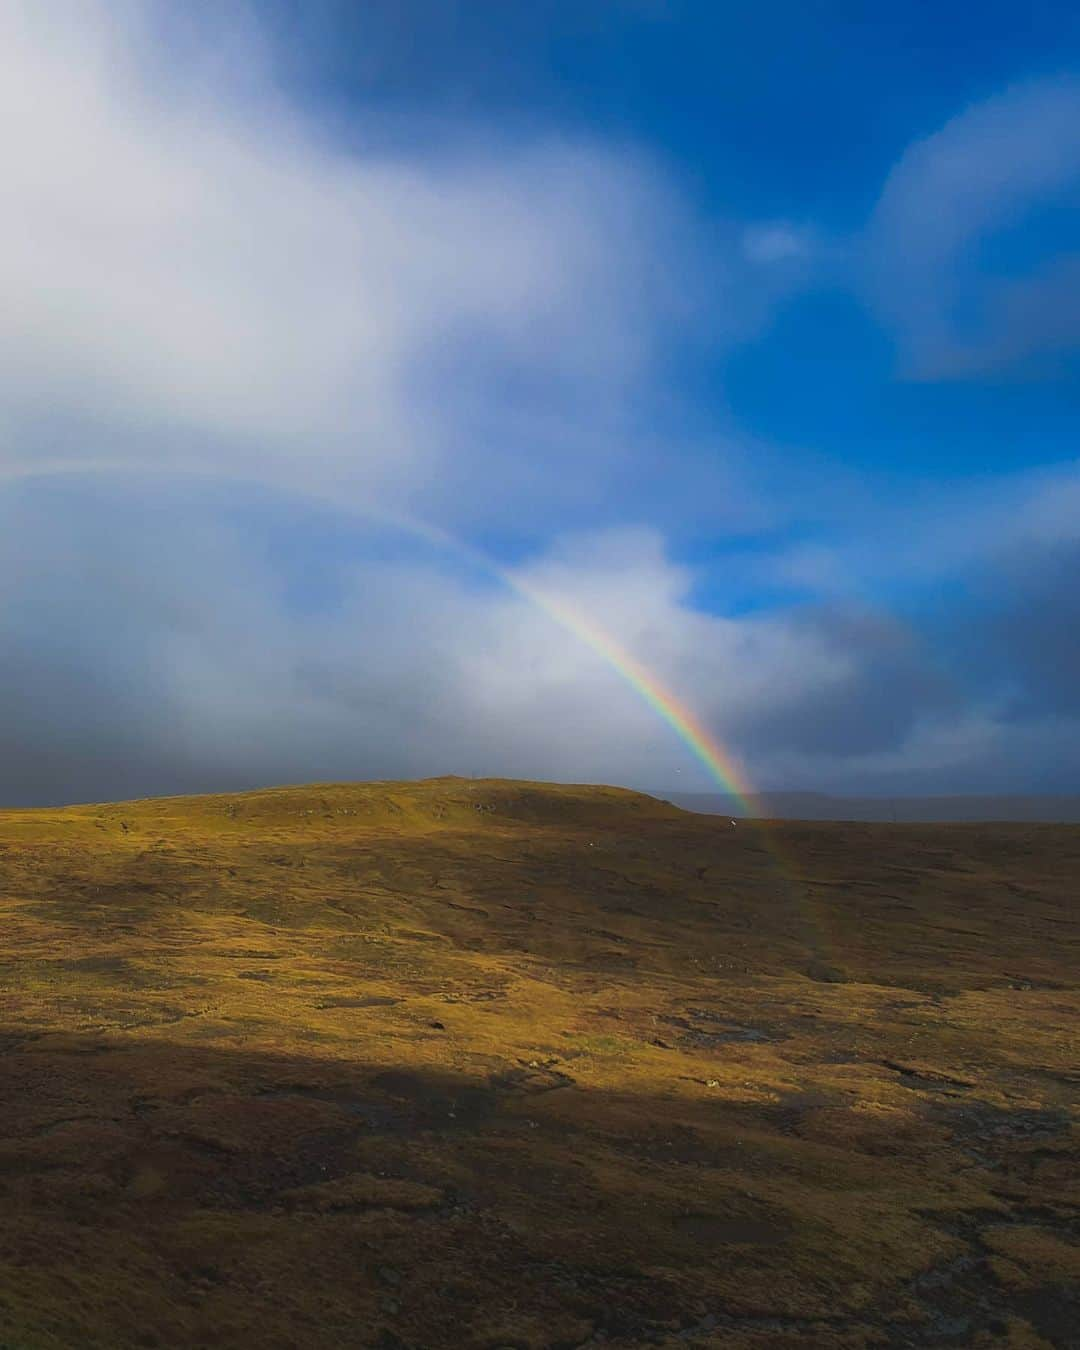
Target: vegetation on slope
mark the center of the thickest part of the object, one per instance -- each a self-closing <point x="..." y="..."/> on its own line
<point x="463" y="1063"/>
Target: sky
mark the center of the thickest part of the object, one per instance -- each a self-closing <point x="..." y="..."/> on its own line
<point x="334" y="333"/>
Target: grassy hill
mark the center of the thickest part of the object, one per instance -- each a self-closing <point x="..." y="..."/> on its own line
<point x="491" y="1064"/>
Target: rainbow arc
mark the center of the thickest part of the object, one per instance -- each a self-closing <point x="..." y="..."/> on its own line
<point x="706" y="748"/>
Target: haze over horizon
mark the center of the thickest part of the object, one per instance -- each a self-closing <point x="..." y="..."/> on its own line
<point x="750" y="339"/>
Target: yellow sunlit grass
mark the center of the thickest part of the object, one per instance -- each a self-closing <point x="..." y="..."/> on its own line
<point x="463" y="1063"/>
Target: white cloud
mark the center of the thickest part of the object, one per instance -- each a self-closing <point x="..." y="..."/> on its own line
<point x="157" y="650"/>
<point x="201" y="285"/>
<point x="776" y="242"/>
<point x="157" y="644"/>
<point x="947" y="198"/>
<point x="193" y="274"/>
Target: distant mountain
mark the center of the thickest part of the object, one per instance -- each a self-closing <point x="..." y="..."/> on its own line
<point x="820" y="806"/>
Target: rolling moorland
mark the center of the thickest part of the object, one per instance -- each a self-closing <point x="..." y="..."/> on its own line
<point x="1057" y="810"/>
<point x="492" y="1064"/>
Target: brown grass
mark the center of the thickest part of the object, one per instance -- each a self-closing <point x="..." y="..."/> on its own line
<point x="492" y="1064"/>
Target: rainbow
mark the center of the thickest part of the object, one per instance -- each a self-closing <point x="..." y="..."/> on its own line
<point x="719" y="762"/>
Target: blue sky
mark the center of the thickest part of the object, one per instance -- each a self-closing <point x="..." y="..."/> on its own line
<point x="753" y="333"/>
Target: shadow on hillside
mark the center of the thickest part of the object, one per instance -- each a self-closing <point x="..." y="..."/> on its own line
<point x="183" y="1195"/>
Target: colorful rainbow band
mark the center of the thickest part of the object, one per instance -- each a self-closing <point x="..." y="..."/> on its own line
<point x="720" y="764"/>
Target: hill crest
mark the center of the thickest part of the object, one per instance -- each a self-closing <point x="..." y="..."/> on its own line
<point x="432" y="803"/>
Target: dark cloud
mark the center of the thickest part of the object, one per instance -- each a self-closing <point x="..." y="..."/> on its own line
<point x="887" y="682"/>
<point x="1033" y="631"/>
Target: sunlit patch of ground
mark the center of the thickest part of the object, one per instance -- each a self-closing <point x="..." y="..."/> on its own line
<point x="492" y="1064"/>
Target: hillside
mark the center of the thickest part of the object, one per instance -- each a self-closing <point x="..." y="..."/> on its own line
<point x="1031" y="807"/>
<point x="492" y="1064"/>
